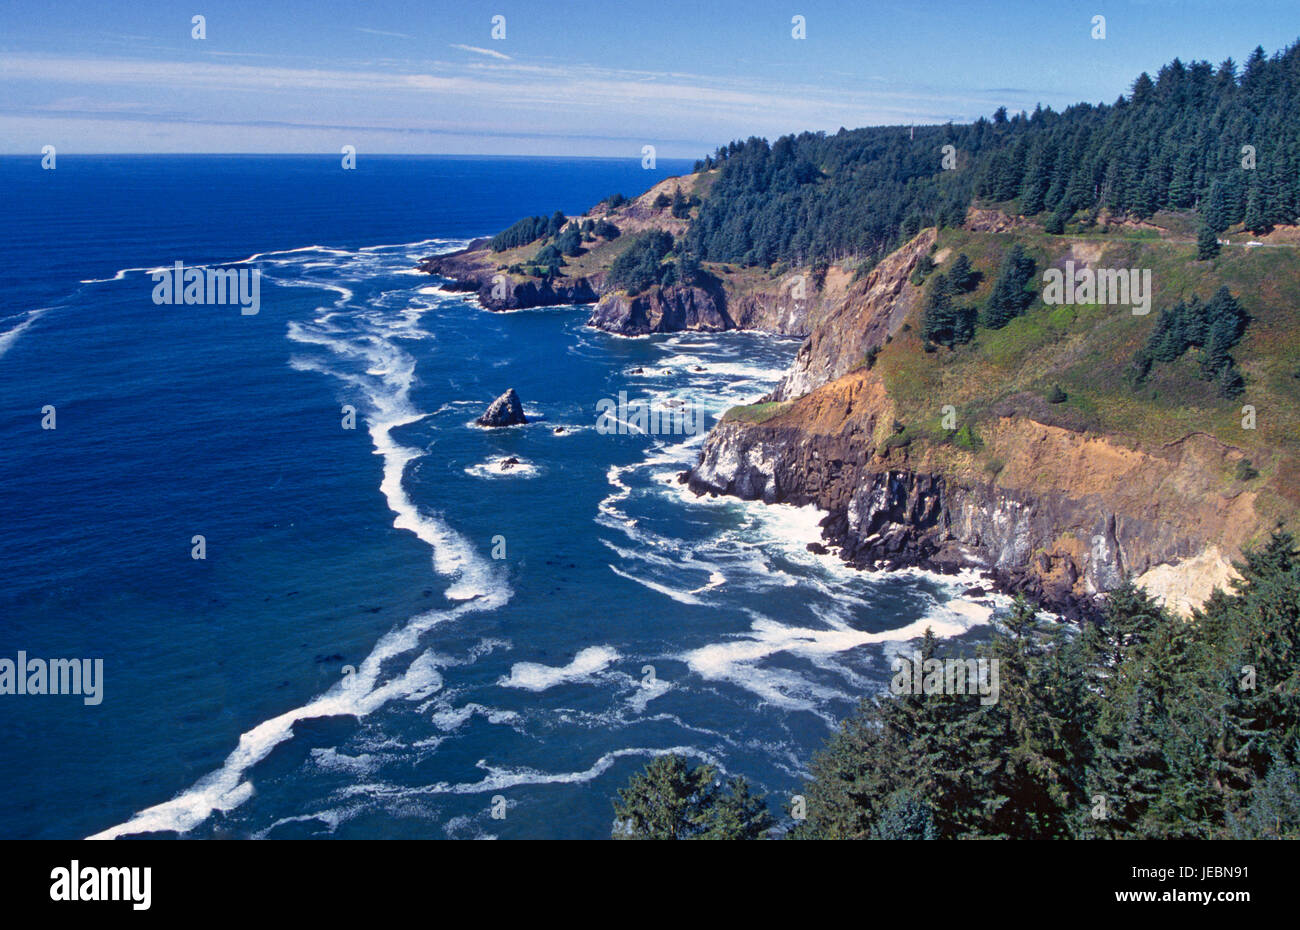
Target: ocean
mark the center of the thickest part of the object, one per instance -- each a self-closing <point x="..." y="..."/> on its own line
<point x="390" y="635"/>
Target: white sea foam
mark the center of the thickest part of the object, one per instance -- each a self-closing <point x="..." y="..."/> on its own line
<point x="533" y="676"/>
<point x="500" y="778"/>
<point x="472" y="581"/>
<point x="498" y="468"/>
<point x="10" y="336"/>
<point x="452" y="718"/>
<point x="677" y="594"/>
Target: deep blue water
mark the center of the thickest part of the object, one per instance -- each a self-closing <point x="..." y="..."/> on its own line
<point x="351" y="659"/>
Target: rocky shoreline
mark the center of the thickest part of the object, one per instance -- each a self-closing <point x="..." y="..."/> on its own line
<point x="1057" y="514"/>
<point x="711" y="306"/>
<point x="910" y="527"/>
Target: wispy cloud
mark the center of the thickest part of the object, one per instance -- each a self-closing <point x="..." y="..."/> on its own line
<point x="390" y="105"/>
<point x="576" y="88"/>
<point x="483" y="51"/>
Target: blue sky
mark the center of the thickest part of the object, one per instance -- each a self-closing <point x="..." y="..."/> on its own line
<point x="572" y="77"/>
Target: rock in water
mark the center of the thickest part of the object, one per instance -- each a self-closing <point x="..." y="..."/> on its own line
<point x="506" y="410"/>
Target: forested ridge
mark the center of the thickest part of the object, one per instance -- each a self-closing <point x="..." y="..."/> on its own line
<point x="1174" y="141"/>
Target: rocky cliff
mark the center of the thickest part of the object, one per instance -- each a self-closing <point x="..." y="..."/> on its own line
<point x="869" y="312"/>
<point x="1066" y="517"/>
<point x="1060" y="510"/>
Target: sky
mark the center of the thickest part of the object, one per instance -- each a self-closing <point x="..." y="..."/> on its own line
<point x="570" y="77"/>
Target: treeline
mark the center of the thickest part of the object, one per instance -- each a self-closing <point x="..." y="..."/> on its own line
<point x="1142" y="725"/>
<point x="1175" y="141"/>
<point x="529" y="229"/>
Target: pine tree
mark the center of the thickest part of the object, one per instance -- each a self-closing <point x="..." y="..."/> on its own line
<point x="1254" y="218"/>
<point x="1036" y="785"/>
<point x="905" y="817"/>
<point x="1207" y="244"/>
<point x="737" y="814"/>
<point x="961" y="276"/>
<point x="1010" y="297"/>
<point x="670" y="800"/>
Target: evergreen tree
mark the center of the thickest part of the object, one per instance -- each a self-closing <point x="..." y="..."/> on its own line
<point x="961" y="275"/>
<point x="670" y="800"/>
<point x="1254" y="218"/>
<point x="1010" y="295"/>
<point x="1207" y="244"/>
<point x="665" y="802"/>
<point x="905" y="817"/>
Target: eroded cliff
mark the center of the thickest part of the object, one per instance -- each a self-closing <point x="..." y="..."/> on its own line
<point x="1032" y="492"/>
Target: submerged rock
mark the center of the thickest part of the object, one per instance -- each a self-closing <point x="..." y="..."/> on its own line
<point x="506" y="410"/>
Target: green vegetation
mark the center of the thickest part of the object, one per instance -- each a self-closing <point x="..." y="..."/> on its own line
<point x="640" y="266"/>
<point x="757" y="413"/>
<point x="654" y="258"/>
<point x="681" y="204"/>
<point x="671" y="800"/>
<point x="1207" y="244"/>
<point x="548" y="261"/>
<point x="962" y="276"/>
<point x="570" y="241"/>
<point x="924" y="268"/>
<point x="966" y="438"/>
<point x="1012" y="294"/>
<point x="1214" y="327"/>
<point x="1172" y="143"/>
<point x="942" y="321"/>
<point x="529" y="229"/>
<point x="1144" y="726"/>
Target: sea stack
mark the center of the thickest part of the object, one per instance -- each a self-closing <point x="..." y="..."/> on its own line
<point x="506" y="410"/>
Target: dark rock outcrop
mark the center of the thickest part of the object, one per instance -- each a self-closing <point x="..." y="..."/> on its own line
<point x="662" y="310"/>
<point x="1045" y="527"/>
<point x="506" y="410"/>
<point x="717" y="304"/>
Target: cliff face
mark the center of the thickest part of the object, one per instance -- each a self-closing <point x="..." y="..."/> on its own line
<point x="1066" y="517"/>
<point x="662" y="310"/>
<point x="1044" y="499"/>
<point x="870" y="311"/>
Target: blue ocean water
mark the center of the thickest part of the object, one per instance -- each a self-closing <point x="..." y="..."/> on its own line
<point x="390" y="636"/>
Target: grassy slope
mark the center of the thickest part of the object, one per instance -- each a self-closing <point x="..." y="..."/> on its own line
<point x="598" y="255"/>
